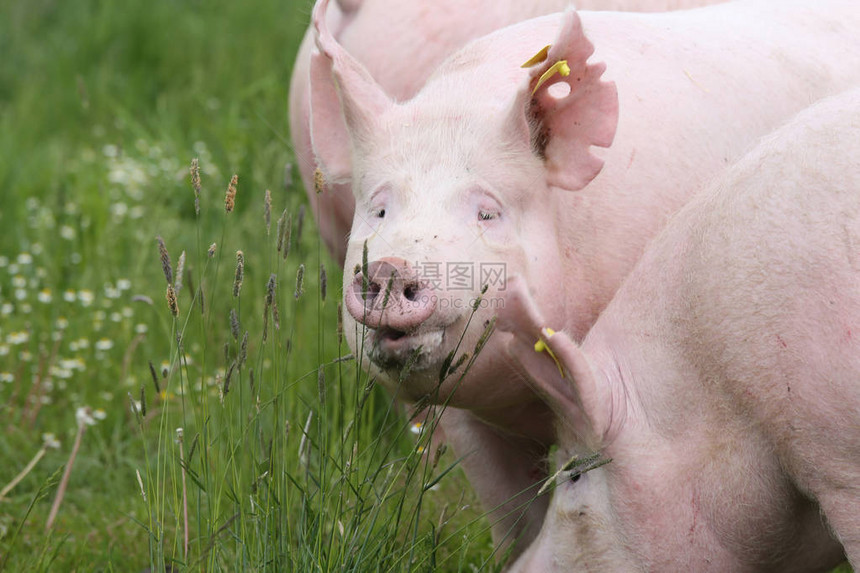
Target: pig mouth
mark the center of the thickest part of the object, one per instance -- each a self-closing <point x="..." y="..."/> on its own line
<point x="391" y="349"/>
<point x="390" y="335"/>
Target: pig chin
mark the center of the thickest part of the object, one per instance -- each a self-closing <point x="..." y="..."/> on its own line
<point x="424" y="348"/>
<point x="390" y="350"/>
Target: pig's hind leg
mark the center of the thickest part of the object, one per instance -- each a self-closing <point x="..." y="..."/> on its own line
<point x="817" y="437"/>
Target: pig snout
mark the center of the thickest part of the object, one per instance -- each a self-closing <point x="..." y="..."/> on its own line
<point x="392" y="296"/>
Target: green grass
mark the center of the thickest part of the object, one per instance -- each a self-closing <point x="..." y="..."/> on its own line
<point x="102" y="107"/>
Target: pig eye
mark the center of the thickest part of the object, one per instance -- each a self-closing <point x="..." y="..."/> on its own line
<point x="574" y="477"/>
<point x="379" y="213"/>
<point x="486" y="215"/>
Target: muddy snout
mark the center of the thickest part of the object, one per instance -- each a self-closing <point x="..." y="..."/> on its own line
<point x="392" y="296"/>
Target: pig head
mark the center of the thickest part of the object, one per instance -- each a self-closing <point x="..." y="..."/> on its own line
<point x="723" y="381"/>
<point x="452" y="192"/>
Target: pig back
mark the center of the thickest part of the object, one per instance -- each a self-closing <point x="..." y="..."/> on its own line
<point x="774" y="246"/>
<point x="769" y="276"/>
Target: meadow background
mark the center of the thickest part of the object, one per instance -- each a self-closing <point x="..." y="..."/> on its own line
<point x="288" y="457"/>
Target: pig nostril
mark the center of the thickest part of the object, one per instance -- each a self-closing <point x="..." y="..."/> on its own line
<point x="372" y="291"/>
<point x="411" y="292"/>
<point x="369" y="291"/>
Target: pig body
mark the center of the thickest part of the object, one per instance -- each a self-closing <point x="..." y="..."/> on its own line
<point x="401" y="44"/>
<point x="724" y="379"/>
<point x="485" y="166"/>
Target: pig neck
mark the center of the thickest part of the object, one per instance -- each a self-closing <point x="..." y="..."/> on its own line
<point x="531" y="420"/>
<point x="659" y="440"/>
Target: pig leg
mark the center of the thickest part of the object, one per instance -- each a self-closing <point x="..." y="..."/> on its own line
<point x="506" y="473"/>
<point x="821" y="451"/>
<point x="842" y="510"/>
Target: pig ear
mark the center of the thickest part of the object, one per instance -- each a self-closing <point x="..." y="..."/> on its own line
<point x="560" y="371"/>
<point x="345" y="101"/>
<point x="568" y="107"/>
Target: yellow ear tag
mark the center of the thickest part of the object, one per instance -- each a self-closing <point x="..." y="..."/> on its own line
<point x="560" y="67"/>
<point x="538" y="58"/>
<point x="540" y="346"/>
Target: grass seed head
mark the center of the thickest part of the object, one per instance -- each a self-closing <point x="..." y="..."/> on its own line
<point x="282" y="221"/>
<point x="142" y="401"/>
<point x="140" y="483"/>
<point x="180" y="270"/>
<point x="477" y="302"/>
<point x="211" y="251"/>
<point x="172" y="303"/>
<point x="267" y="211"/>
<point x="276" y="315"/>
<point x="230" y="197"/>
<point x="134" y="408"/>
<point x="388" y="288"/>
<point x="226" y="388"/>
<point x="195" y="184"/>
<point x="410" y="363"/>
<point x="323" y="282"/>
<point x="234" y="324"/>
<point x="446" y="366"/>
<point x="165" y="260"/>
<point x="270" y="290"/>
<point x="243" y="350"/>
<point x="440" y="451"/>
<point x="300" y="280"/>
<point x="460" y="362"/>
<point x="154" y="378"/>
<point x="240" y="273"/>
<point x="193" y="448"/>
<point x="488" y="331"/>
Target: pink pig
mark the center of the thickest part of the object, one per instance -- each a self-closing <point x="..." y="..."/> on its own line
<point x="401" y="43"/>
<point x="723" y="380"/>
<point x="562" y="182"/>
